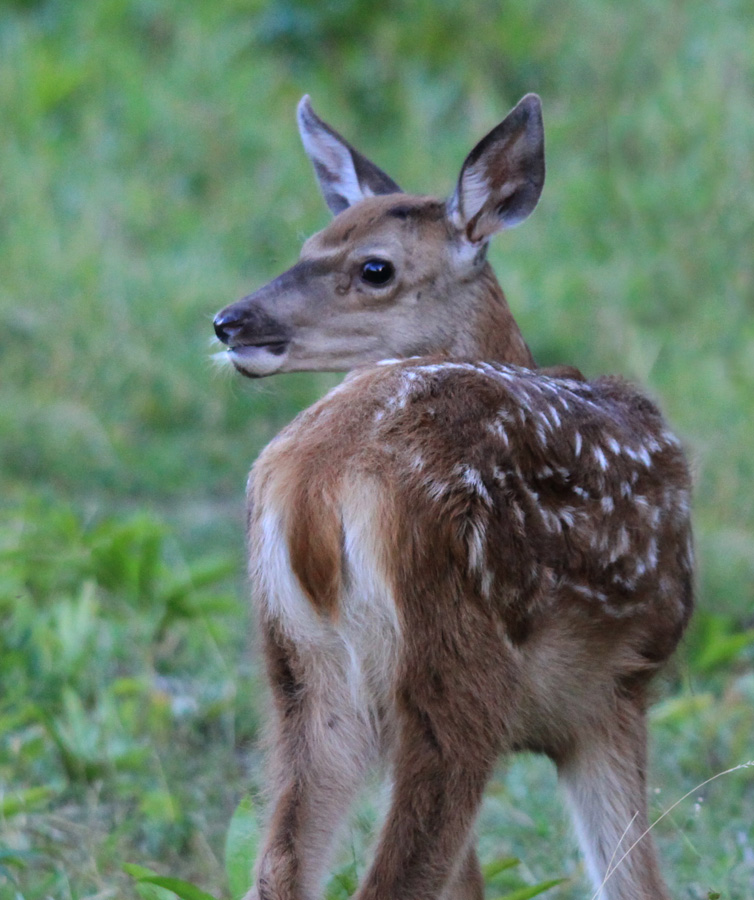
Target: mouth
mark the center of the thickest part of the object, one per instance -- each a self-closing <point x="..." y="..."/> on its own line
<point x="258" y="360"/>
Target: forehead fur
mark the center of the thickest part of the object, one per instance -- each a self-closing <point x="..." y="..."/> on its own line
<point x="369" y="216"/>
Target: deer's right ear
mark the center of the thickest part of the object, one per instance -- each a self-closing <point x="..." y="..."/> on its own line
<point x="503" y="176"/>
<point x="345" y="176"/>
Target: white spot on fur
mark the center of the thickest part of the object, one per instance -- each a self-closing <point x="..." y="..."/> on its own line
<point x="405" y="391"/>
<point x="436" y="488"/>
<point x="563" y="402"/>
<point x="670" y="439"/>
<point x="600" y="457"/>
<point x="577" y="443"/>
<point x="585" y="591"/>
<point x="622" y="544"/>
<point x="488" y="579"/>
<point x="477" y="533"/>
<point x="551" y="520"/>
<point x="435" y="368"/>
<point x="652" y="554"/>
<point x="523" y="402"/>
<point x="496" y="428"/>
<point x="417" y="463"/>
<point x="566" y="515"/>
<point x="473" y="479"/>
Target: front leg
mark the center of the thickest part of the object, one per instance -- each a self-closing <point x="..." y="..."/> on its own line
<point x="322" y="747"/>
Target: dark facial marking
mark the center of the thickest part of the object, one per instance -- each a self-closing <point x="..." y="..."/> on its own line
<point x="430" y="211"/>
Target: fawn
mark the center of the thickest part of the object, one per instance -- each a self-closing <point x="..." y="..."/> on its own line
<point x="454" y="554"/>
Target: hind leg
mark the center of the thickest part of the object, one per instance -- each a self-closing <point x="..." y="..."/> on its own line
<point x="436" y="795"/>
<point x="605" y="781"/>
<point x="453" y="699"/>
<point x="467" y="883"/>
<point x="322" y="747"/>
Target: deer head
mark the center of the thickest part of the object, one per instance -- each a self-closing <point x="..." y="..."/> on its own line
<point x="395" y="274"/>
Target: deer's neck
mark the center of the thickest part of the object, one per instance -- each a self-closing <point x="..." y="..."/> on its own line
<point x="489" y="331"/>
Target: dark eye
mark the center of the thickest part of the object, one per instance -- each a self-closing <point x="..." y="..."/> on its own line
<point x="377" y="271"/>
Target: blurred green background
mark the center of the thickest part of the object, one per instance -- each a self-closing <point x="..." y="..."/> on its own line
<point x="151" y="173"/>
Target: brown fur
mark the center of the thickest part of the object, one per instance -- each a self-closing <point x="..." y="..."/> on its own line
<point x="454" y="556"/>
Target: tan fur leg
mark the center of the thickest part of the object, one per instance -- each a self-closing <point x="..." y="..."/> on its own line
<point x="426" y="829"/>
<point x="322" y="748"/>
<point x="467" y="883"/>
<point x="446" y="751"/>
<point x="605" y="781"/>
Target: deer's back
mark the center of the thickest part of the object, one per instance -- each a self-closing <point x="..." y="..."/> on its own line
<point x="530" y="497"/>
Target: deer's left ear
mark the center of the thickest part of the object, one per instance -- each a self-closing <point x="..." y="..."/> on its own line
<point x="345" y="176"/>
<point x="502" y="177"/>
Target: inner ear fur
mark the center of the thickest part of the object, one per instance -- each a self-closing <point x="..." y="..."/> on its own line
<point x="344" y="175"/>
<point x="501" y="179"/>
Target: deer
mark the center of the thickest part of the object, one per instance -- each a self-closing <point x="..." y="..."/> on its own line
<point x="454" y="554"/>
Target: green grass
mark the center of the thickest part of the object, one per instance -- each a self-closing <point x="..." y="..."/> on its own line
<point x="150" y="173"/>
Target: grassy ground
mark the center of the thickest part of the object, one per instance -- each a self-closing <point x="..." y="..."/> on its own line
<point x="150" y="173"/>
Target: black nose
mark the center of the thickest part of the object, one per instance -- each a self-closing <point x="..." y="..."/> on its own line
<point x="228" y="323"/>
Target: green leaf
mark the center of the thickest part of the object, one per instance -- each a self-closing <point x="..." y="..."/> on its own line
<point x="533" y="891"/>
<point x="241" y="848"/>
<point x="138" y="871"/>
<point x="210" y="571"/>
<point x="679" y="709"/>
<point x="16" y="858"/>
<point x="145" y="890"/>
<point x="183" y="889"/>
<point x="343" y="883"/>
<point x="493" y="869"/>
<point x="152" y="892"/>
<point x="20" y="801"/>
<point x="724" y="650"/>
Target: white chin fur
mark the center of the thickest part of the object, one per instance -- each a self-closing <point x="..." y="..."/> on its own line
<point x="257" y="361"/>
